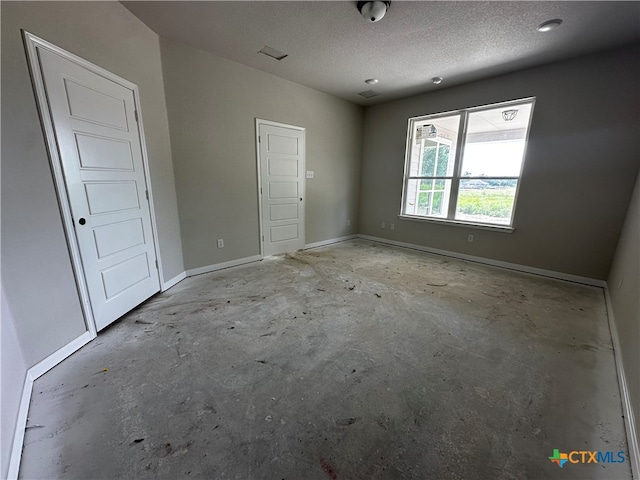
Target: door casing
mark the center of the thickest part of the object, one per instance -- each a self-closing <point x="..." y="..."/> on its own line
<point x="304" y="159"/>
<point x="32" y="45"/>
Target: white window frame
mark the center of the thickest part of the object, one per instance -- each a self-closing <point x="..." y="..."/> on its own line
<point x="457" y="174"/>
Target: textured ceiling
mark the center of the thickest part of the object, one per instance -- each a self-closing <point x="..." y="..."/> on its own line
<point x="333" y="49"/>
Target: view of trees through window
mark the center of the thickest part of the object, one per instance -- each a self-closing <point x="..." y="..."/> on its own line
<point x="435" y="160"/>
<point x="476" y="183"/>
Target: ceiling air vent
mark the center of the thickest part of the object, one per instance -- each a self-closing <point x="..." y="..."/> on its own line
<point x="369" y="94"/>
<point x="273" y="53"/>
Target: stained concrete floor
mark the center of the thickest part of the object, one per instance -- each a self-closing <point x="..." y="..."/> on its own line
<point x="353" y="361"/>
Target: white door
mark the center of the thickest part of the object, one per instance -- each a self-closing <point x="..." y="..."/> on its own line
<point x="99" y="145"/>
<point x="282" y="155"/>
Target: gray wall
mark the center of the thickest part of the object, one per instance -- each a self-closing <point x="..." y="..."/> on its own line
<point x="37" y="279"/>
<point x="581" y="163"/>
<point x="212" y="105"/>
<point x="625" y="299"/>
<point x="12" y="372"/>
<point x="36" y="269"/>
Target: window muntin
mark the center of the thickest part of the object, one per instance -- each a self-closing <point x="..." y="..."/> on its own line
<point x="466" y="166"/>
<point x="432" y="166"/>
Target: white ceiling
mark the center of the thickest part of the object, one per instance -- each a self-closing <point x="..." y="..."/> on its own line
<point x="333" y="49"/>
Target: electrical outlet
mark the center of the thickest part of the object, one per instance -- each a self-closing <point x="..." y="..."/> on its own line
<point x="220" y="243"/>
<point x="348" y="222"/>
<point x="382" y="225"/>
<point x="469" y="238"/>
<point x="392" y="226"/>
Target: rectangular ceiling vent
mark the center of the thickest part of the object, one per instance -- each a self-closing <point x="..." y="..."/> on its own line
<point x="273" y="53"/>
<point x="369" y="94"/>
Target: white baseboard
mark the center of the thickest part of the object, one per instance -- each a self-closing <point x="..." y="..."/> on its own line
<point x="220" y="266"/>
<point x="31" y="376"/>
<point x="329" y="242"/>
<point x="627" y="406"/>
<point x="175" y="280"/>
<point x="495" y="263"/>
<point x="21" y="423"/>
<point x="55" y="358"/>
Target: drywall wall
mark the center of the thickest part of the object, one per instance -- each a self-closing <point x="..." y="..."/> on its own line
<point x="13" y="370"/>
<point x="212" y="104"/>
<point x="36" y="269"/>
<point x="624" y="288"/>
<point x="581" y="163"/>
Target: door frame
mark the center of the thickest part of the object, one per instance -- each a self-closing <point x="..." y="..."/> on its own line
<point x="259" y="122"/>
<point x="32" y="45"/>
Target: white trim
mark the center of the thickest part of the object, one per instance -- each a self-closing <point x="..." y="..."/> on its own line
<point x="31" y="376"/>
<point x="174" y="281"/>
<point x="278" y="124"/>
<point x="627" y="406"/>
<point x="220" y="266"/>
<point x="147" y="177"/>
<point x="329" y="242"/>
<point x="259" y="175"/>
<point x="458" y="223"/>
<point x="55" y="358"/>
<point x="260" y="121"/>
<point x="21" y="423"/>
<point x="495" y="263"/>
<point x="33" y="43"/>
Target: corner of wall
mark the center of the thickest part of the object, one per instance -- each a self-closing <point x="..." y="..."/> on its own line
<point x="623" y="307"/>
<point x="15" y="383"/>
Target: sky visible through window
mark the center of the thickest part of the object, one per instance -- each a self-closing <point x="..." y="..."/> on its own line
<point x="493" y="159"/>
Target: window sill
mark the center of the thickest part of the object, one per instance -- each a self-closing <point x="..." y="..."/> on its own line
<point x="459" y="223"/>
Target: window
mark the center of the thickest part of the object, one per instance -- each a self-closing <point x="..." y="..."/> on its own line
<point x="465" y="166"/>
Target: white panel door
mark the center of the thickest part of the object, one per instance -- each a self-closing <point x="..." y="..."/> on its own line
<point x="282" y="155"/>
<point x="99" y="145"/>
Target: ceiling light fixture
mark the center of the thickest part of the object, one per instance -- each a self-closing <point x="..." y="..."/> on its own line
<point x="371" y="81"/>
<point x="509" y="115"/>
<point x="549" y="25"/>
<point x="372" y="11"/>
<point x="436" y="80"/>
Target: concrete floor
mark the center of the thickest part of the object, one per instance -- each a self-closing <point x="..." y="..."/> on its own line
<point x="353" y="361"/>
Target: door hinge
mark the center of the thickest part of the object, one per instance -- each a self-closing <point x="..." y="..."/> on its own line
<point x="263" y="238"/>
<point x="146" y="192"/>
<point x="156" y="264"/>
<point x="259" y="139"/>
<point x="135" y="113"/>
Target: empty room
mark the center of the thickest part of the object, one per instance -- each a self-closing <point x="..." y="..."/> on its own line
<point x="320" y="240"/>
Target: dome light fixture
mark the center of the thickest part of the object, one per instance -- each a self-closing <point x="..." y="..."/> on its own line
<point x="373" y="11"/>
<point x="436" y="80"/>
<point x="371" y="81"/>
<point x="509" y="115"/>
<point x="549" y="25"/>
